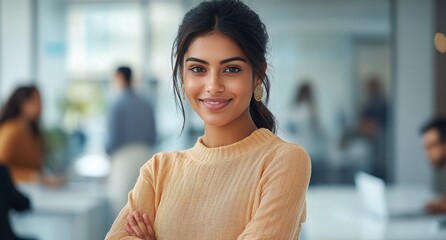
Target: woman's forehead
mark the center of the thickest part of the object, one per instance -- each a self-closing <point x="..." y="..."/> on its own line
<point x="214" y="46"/>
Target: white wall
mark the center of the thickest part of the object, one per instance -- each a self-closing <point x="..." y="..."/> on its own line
<point x="15" y="44"/>
<point x="326" y="61"/>
<point x="414" y="87"/>
<point x="16" y="48"/>
<point x="316" y="40"/>
<point x="51" y="52"/>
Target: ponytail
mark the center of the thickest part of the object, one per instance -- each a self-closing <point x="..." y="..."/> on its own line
<point x="262" y="116"/>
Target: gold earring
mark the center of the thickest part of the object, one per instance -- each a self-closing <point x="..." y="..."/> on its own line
<point x="258" y="93"/>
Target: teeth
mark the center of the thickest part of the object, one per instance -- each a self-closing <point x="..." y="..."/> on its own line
<point x="215" y="102"/>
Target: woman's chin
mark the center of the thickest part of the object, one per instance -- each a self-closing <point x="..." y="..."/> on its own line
<point x="215" y="122"/>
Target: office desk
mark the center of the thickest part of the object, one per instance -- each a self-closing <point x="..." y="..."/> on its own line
<point x="76" y="211"/>
<point x="337" y="213"/>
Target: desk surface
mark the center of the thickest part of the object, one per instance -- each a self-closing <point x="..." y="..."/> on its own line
<point x="75" y="211"/>
<point x="74" y="198"/>
<point x="337" y="213"/>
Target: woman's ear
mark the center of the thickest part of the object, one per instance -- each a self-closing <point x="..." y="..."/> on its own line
<point x="258" y="80"/>
<point x="265" y="66"/>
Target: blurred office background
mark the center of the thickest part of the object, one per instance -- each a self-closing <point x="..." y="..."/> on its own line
<point x="353" y="82"/>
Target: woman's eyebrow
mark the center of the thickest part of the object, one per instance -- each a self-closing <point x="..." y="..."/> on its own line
<point x="232" y="59"/>
<point x="194" y="59"/>
<point x="197" y="60"/>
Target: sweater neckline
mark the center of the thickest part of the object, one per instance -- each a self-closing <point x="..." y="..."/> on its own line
<point x="255" y="140"/>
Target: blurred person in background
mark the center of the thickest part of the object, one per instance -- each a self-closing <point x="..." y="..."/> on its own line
<point x="304" y="128"/>
<point x="10" y="198"/>
<point x="434" y="142"/>
<point x="373" y="125"/>
<point x="131" y="119"/>
<point x="21" y="141"/>
<point x="131" y="135"/>
<point x="240" y="180"/>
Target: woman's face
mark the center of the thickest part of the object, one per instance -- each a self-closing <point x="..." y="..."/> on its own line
<point x="217" y="79"/>
<point x="32" y="107"/>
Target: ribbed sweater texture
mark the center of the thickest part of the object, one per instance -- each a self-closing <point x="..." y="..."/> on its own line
<point x="251" y="189"/>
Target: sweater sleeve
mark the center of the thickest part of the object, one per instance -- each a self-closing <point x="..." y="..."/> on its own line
<point x="141" y="198"/>
<point x="282" y="207"/>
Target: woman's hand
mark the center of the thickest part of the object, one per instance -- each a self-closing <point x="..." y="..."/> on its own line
<point x="53" y="181"/>
<point x="139" y="226"/>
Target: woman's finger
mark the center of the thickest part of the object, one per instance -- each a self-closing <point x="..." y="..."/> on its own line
<point x="141" y="224"/>
<point x="134" y="225"/>
<point x="129" y="229"/>
<point x="148" y="225"/>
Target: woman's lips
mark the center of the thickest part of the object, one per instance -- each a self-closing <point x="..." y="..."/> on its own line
<point x="215" y="104"/>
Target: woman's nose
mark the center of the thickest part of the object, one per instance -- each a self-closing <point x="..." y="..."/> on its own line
<point x="214" y="84"/>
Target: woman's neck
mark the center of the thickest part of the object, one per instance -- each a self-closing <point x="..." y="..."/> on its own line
<point x="237" y="130"/>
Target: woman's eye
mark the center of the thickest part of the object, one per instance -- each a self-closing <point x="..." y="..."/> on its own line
<point x="197" y="69"/>
<point x="232" y="70"/>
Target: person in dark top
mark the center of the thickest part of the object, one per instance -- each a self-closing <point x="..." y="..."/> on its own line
<point x="433" y="135"/>
<point x="373" y="125"/>
<point x="10" y="198"/>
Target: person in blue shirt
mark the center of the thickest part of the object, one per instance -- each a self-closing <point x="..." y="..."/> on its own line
<point x="131" y="118"/>
<point x="131" y="137"/>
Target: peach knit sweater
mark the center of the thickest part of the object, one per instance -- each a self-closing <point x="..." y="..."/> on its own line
<point x="252" y="189"/>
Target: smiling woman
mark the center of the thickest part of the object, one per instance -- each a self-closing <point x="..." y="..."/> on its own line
<point x="239" y="181"/>
<point x="219" y="83"/>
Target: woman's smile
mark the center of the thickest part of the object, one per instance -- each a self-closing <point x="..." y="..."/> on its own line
<point x="215" y="104"/>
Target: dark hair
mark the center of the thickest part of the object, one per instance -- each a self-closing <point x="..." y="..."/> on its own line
<point x="438" y="123"/>
<point x="304" y="93"/>
<point x="13" y="106"/>
<point x="237" y="21"/>
<point x="374" y="84"/>
<point x="126" y="73"/>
